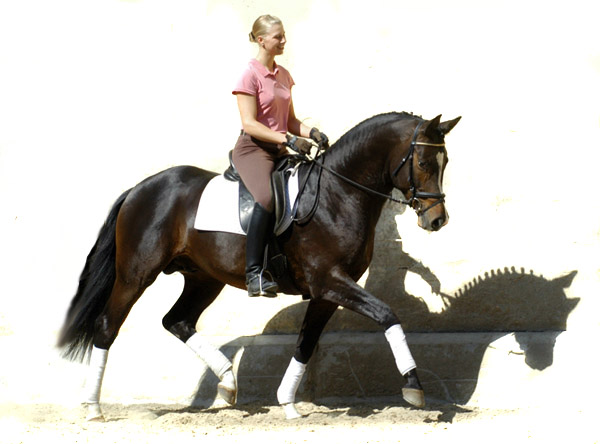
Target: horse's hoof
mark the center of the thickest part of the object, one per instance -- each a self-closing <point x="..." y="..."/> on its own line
<point x="228" y="394"/>
<point x="227" y="389"/>
<point x="290" y="411"/>
<point x="95" y="418"/>
<point x="414" y="397"/>
<point x="94" y="413"/>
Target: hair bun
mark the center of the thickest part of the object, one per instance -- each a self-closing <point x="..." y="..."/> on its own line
<point x="262" y="25"/>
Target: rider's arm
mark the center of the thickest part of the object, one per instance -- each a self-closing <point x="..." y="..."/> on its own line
<point x="295" y="126"/>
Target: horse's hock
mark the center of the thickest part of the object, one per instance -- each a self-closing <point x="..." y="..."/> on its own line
<point x="487" y="347"/>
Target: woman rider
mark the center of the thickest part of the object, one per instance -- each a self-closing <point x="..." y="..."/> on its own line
<point x="269" y="126"/>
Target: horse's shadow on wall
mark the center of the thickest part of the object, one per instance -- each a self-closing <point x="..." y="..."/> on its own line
<point x="501" y="302"/>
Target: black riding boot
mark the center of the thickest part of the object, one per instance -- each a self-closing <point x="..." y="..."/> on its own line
<point x="257" y="280"/>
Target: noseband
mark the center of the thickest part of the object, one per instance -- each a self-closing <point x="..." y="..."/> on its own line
<point x="416" y="195"/>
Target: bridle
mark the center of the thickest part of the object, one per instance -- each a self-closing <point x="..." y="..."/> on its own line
<point x="416" y="194"/>
<point x="414" y="201"/>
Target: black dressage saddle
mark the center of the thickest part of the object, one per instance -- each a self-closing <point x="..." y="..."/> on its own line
<point x="285" y="211"/>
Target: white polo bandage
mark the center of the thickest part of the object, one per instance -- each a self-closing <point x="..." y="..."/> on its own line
<point x="93" y="383"/>
<point x="212" y="356"/>
<point x="286" y="393"/>
<point x="397" y="339"/>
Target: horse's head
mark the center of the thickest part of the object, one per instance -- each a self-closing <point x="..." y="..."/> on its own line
<point x="515" y="301"/>
<point x="539" y="354"/>
<point x="418" y="171"/>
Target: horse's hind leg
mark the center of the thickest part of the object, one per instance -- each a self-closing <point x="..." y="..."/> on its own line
<point x="122" y="299"/>
<point x="198" y="293"/>
<point x="317" y="315"/>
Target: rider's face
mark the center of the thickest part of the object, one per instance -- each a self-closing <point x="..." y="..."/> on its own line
<point x="274" y="41"/>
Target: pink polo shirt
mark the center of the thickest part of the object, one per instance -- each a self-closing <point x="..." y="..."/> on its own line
<point x="273" y="92"/>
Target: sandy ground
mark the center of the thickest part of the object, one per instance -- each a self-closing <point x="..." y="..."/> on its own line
<point x="364" y="423"/>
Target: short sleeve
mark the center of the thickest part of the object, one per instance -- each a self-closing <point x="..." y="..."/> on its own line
<point x="289" y="80"/>
<point x="247" y="83"/>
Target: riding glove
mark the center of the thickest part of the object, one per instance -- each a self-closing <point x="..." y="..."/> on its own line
<point x="299" y="145"/>
<point x="319" y="137"/>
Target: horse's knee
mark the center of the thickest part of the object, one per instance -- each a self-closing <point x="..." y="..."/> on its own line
<point x="385" y="316"/>
<point x="352" y="297"/>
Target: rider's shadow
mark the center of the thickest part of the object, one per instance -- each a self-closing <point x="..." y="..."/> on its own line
<point x="496" y="304"/>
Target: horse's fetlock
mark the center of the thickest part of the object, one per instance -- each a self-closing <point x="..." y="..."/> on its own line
<point x="412" y="380"/>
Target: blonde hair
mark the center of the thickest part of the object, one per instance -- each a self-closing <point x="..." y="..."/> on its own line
<point x="262" y="25"/>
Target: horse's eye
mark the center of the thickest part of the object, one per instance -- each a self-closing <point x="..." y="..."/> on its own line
<point x="422" y="164"/>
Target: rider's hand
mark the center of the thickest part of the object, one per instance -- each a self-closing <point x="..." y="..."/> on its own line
<point x="299" y="145"/>
<point x="319" y="137"/>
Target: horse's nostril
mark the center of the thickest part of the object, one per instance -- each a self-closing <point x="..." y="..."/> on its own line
<point x="437" y="223"/>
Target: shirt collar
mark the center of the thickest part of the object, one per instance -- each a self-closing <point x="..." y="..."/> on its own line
<point x="262" y="69"/>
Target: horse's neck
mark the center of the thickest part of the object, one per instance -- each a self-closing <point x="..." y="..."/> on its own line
<point x="364" y="165"/>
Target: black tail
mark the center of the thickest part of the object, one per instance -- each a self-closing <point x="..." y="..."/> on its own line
<point x="95" y="285"/>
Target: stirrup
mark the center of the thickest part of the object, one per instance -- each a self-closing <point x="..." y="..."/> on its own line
<point x="264" y="287"/>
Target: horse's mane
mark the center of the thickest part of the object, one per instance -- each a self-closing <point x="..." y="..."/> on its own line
<point x="365" y="128"/>
<point x="501" y="300"/>
<point x="497" y="278"/>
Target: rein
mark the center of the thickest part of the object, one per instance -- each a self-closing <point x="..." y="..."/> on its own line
<point x="416" y="195"/>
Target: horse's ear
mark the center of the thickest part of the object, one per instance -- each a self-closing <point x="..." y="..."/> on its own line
<point x="572" y="303"/>
<point x="446" y="127"/>
<point x="566" y="280"/>
<point x="432" y="128"/>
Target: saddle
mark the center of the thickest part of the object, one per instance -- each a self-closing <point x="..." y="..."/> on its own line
<point x="285" y="208"/>
<point x="286" y="205"/>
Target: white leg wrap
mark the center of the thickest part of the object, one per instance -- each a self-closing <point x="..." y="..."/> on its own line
<point x="214" y="359"/>
<point x="397" y="339"/>
<point x="286" y="393"/>
<point x="93" y="383"/>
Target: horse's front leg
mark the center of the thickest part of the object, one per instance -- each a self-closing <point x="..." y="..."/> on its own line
<point x="317" y="315"/>
<point x="340" y="289"/>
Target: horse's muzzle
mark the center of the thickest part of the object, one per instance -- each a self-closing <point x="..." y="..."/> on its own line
<point x="434" y="220"/>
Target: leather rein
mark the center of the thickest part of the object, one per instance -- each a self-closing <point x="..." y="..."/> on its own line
<point x="414" y="201"/>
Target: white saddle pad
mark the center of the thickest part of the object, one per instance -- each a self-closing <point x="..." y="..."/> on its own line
<point x="218" y="209"/>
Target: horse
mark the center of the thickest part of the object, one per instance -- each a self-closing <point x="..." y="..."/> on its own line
<point x="150" y="229"/>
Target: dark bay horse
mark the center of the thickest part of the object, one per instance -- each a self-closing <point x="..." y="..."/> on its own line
<point x="150" y="230"/>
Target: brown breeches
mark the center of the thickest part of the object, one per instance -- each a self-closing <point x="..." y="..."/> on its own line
<point x="255" y="161"/>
